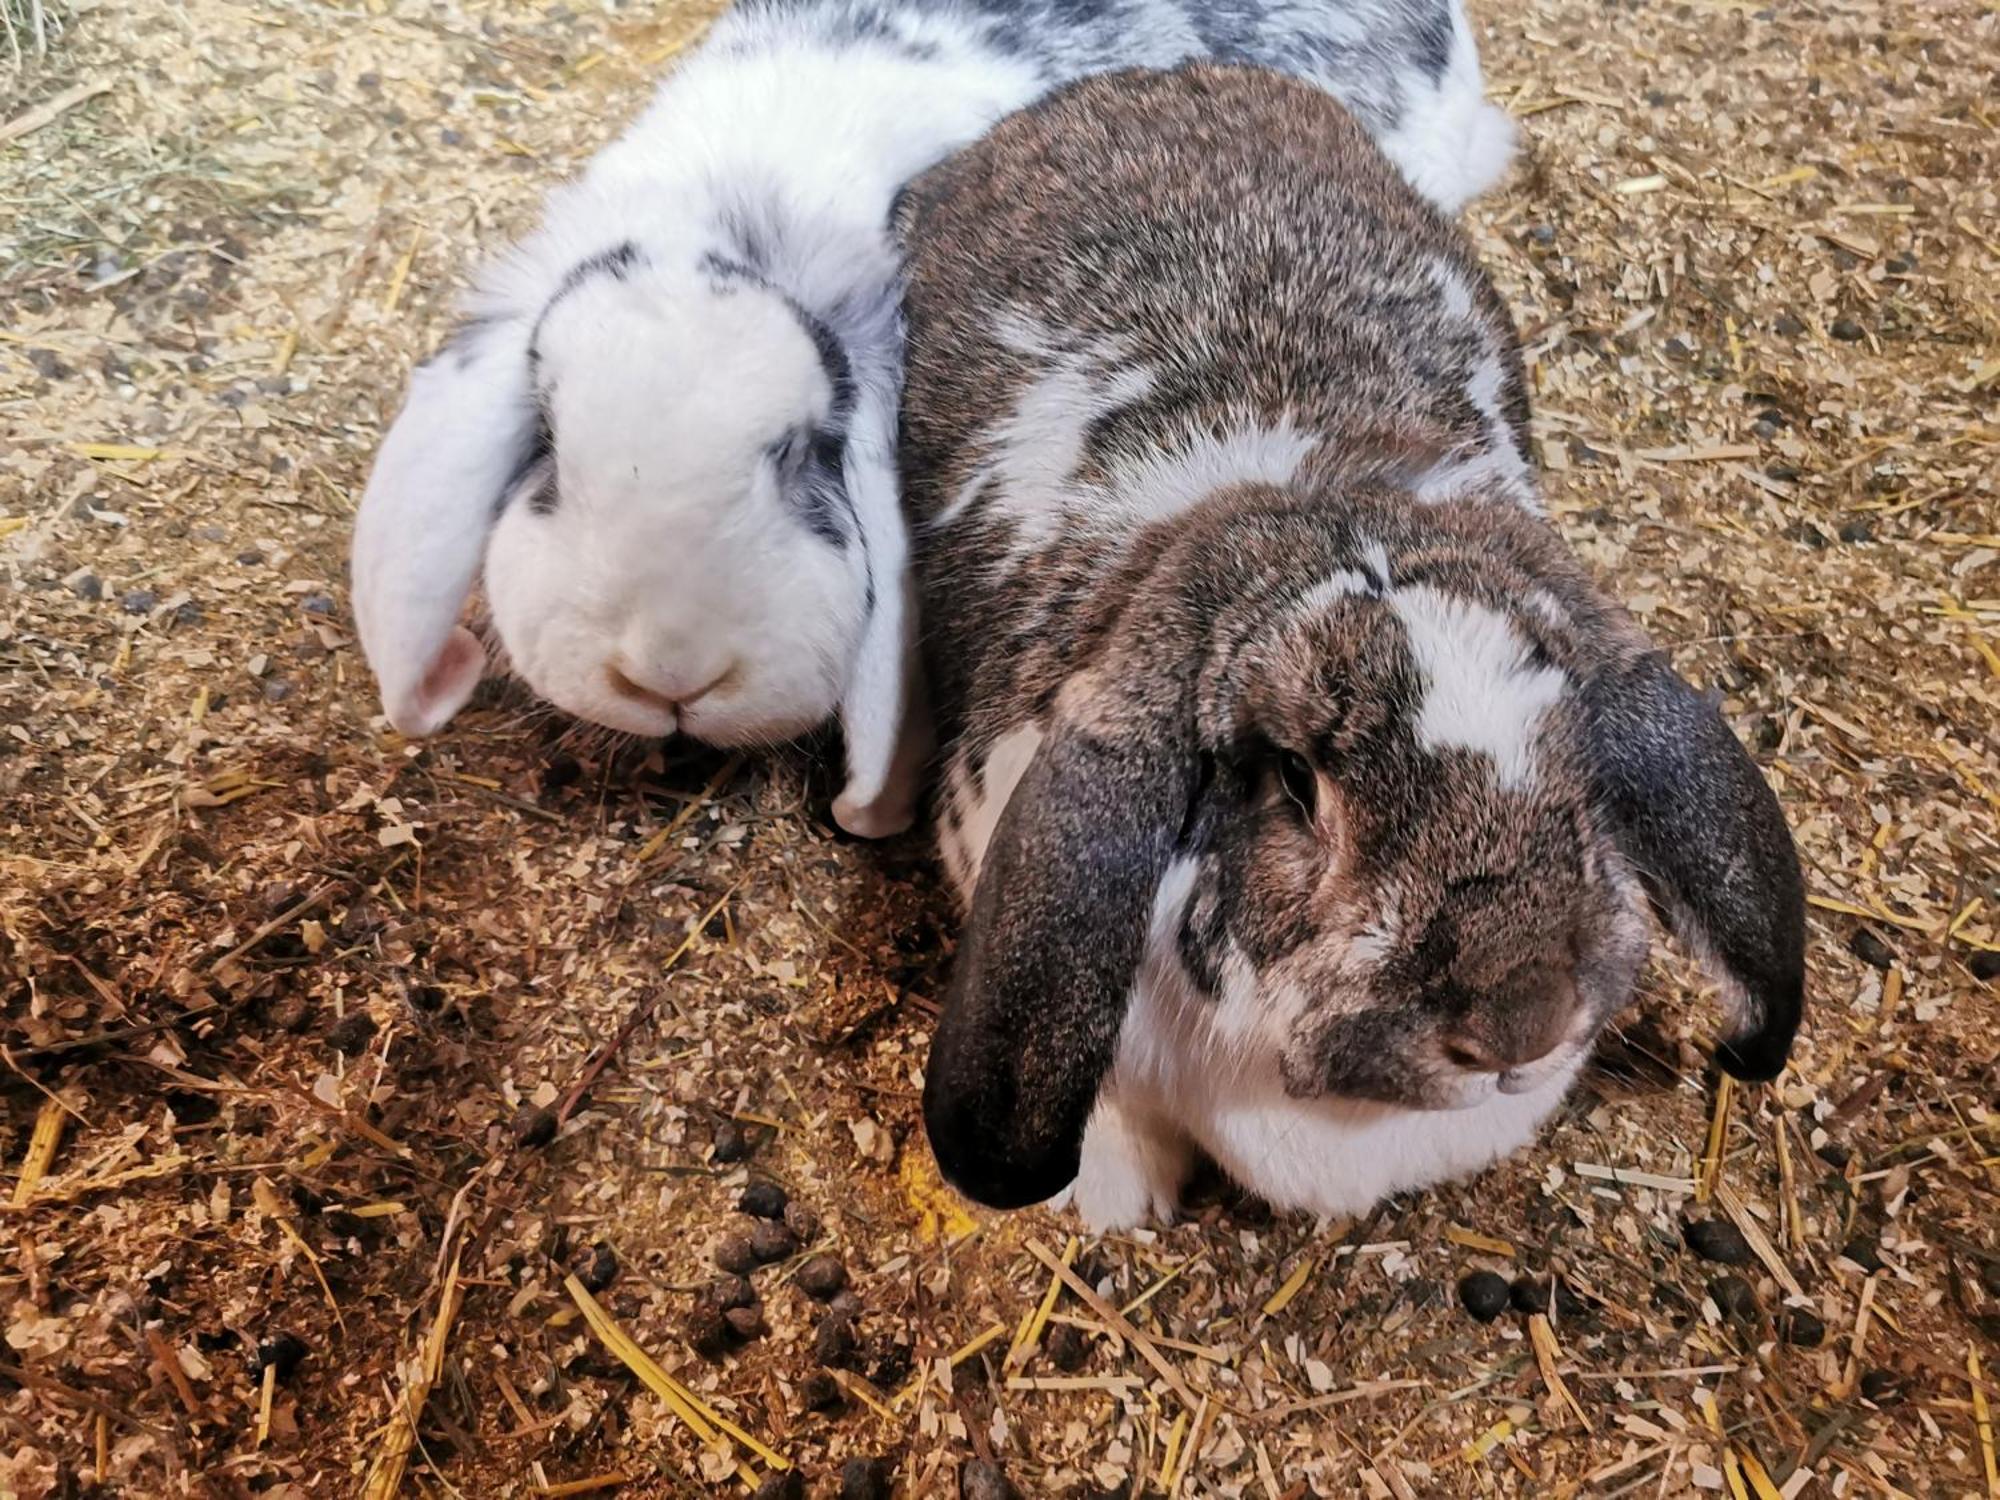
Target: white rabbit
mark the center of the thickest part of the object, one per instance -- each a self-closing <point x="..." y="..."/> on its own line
<point x="1305" y="793"/>
<point x="667" y="427"/>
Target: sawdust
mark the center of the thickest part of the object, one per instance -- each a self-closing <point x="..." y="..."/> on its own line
<point x="292" y="1009"/>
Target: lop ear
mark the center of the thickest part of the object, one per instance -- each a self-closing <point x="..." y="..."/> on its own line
<point x="883" y="714"/>
<point x="1048" y="957"/>
<point x="467" y="430"/>
<point x="1705" y="832"/>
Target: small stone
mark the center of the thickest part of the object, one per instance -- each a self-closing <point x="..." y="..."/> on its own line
<point x="833" y="1340"/>
<point x="1863" y="1252"/>
<point x="867" y="1479"/>
<point x="770" y="1241"/>
<point x="1543" y="234"/>
<point x="1069" y="1348"/>
<point x="1802" y="1327"/>
<point x="802" y="1221"/>
<point x="281" y="1352"/>
<point x="138" y="601"/>
<point x="1718" y="1240"/>
<point x="979" y="1480"/>
<point x="1529" y="1294"/>
<point x="1789" y="326"/>
<point x="86" y="586"/>
<point x="820" y="1392"/>
<point x="847" y="1305"/>
<point x="598" y="1269"/>
<point x="1484" y="1294"/>
<point x="1883" y="1387"/>
<point x="534" y="1127"/>
<point x="791" y="1484"/>
<point x="1847" y="330"/>
<point x="1985" y="965"/>
<point x="318" y="604"/>
<point x="822" y="1277"/>
<point x="705" y="1331"/>
<point x="1857" y="531"/>
<point x="353" y="1034"/>
<point x="1735" y="1297"/>
<point x="1866" y="944"/>
<point x="746" y="1323"/>
<point x="764" y="1200"/>
<point x="735" y="1253"/>
<point x="732" y="1143"/>
<point x="731" y="1292"/>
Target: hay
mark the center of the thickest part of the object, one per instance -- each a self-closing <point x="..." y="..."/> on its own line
<point x="330" y="1014"/>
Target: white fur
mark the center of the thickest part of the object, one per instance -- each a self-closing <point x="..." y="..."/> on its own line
<point x="669" y="555"/>
<point x="1176" y="476"/>
<point x="1456" y="146"/>
<point x="669" y="558"/>
<point x="1036" y="449"/>
<point x="970" y="815"/>
<point x="1481" y="692"/>
<point x="650" y="562"/>
<point x="1341" y="584"/>
<point x="1495" y="463"/>
<point x="1195" y="1070"/>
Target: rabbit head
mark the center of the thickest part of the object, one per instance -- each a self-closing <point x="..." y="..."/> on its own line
<point x="651" y="452"/>
<point x="650" y="459"/>
<point x="1384" y="798"/>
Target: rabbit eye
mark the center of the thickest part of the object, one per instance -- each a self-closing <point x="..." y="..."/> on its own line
<point x="1295" y="775"/>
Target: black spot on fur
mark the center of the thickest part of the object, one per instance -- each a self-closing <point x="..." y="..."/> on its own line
<point x="615" y="263"/>
<point x="537" y="448"/>
<point x="1433" y="42"/>
<point x="813" y="462"/>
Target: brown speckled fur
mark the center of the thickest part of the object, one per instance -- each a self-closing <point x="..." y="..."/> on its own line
<point x="1236" y="236"/>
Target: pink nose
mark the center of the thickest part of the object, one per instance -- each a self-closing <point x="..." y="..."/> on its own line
<point x="660" y="691"/>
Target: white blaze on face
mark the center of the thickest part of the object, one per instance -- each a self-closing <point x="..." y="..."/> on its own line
<point x="1481" y="690"/>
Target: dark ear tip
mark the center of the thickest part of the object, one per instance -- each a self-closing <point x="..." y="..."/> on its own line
<point x="1759" y="1054"/>
<point x="979" y="1160"/>
<point x="1756" y="1058"/>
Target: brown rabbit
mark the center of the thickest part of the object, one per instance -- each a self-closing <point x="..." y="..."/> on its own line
<point x="1305" y="792"/>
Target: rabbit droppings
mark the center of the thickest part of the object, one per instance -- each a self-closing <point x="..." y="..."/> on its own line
<point x="666" y="427"/>
<point x="1305" y="793"/>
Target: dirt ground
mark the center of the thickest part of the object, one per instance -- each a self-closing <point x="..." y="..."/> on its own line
<point x="291" y="1009"/>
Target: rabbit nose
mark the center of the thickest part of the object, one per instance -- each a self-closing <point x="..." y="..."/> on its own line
<point x="669" y="692"/>
<point x="1503" y="1055"/>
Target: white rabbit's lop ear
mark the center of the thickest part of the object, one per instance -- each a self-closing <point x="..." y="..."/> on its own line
<point x="883" y="712"/>
<point x="466" y="432"/>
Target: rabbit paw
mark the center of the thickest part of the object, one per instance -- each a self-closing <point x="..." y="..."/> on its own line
<point x="1132" y="1170"/>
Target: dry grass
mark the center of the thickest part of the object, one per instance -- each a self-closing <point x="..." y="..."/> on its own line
<point x="287" y="1003"/>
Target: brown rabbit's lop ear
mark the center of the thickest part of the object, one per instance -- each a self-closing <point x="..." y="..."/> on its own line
<point x="1051" y="949"/>
<point x="1704" y="831"/>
